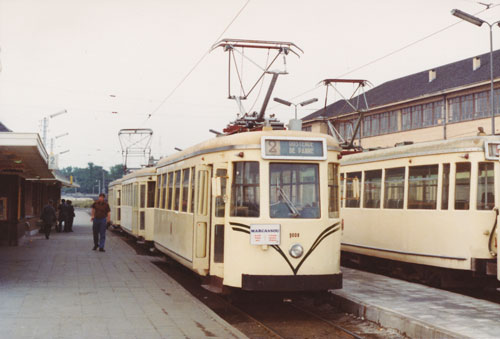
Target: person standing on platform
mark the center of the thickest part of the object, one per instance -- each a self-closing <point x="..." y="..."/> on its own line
<point x="70" y="216"/>
<point x="62" y="215"/>
<point x="101" y="215"/>
<point x="48" y="217"/>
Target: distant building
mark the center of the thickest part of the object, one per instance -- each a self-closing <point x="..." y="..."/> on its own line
<point x="445" y="102"/>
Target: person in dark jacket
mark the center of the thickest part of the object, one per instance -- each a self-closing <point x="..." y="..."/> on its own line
<point x="62" y="215"/>
<point x="48" y="217"/>
<point x="70" y="216"/>
<point x="100" y="218"/>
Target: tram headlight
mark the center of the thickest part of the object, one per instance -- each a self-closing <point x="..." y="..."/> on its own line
<point x="296" y="250"/>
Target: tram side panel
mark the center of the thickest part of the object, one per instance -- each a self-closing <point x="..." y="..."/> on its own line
<point x="173" y="230"/>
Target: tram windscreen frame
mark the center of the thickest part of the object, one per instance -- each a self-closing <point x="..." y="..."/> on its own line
<point x="294" y="191"/>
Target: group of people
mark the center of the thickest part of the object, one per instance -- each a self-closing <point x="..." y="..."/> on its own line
<point x="66" y="215"/>
<point x="100" y="218"/>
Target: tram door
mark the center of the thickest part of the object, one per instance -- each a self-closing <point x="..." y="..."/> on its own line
<point x="142" y="209"/>
<point x="219" y="199"/>
<point x="202" y="219"/>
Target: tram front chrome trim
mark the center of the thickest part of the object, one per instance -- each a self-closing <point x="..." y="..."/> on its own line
<point x="402" y="252"/>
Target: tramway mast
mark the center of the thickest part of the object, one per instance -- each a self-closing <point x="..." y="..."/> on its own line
<point x="354" y="102"/>
<point x="246" y="120"/>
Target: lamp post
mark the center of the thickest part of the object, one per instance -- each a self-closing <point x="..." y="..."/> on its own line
<point x="52" y="141"/>
<point x="479" y="22"/>
<point x="295" y="123"/>
<point x="45" y="125"/>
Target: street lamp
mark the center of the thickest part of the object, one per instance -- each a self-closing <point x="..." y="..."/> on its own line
<point x="52" y="141"/>
<point x="479" y="22"/>
<point x="288" y="103"/>
<point x="295" y="124"/>
<point x="45" y="124"/>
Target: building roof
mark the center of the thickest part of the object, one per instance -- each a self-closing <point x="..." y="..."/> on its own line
<point x="24" y="154"/>
<point x="4" y="128"/>
<point x="450" y="76"/>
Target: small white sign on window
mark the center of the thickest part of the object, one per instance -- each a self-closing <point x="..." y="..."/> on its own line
<point x="265" y="234"/>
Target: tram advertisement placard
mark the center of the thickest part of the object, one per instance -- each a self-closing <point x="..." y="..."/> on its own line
<point x="293" y="148"/>
<point x="265" y="234"/>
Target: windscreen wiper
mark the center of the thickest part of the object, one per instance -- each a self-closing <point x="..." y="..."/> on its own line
<point x="289" y="202"/>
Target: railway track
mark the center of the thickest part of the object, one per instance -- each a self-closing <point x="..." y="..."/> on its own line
<point x="271" y="315"/>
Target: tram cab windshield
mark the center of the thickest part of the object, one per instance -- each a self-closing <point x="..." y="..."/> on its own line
<point x="294" y="190"/>
<point x="292" y="183"/>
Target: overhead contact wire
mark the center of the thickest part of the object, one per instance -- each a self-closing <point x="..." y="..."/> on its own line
<point x="197" y="63"/>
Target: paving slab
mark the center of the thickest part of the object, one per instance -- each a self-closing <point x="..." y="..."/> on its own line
<point x="60" y="288"/>
<point x="418" y="311"/>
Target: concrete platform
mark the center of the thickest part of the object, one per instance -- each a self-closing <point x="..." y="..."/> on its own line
<point x="60" y="288"/>
<point x="416" y="310"/>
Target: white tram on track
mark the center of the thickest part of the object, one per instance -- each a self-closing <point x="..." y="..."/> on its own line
<point x="255" y="210"/>
<point x="432" y="203"/>
<point x="114" y="200"/>
<point x="132" y="202"/>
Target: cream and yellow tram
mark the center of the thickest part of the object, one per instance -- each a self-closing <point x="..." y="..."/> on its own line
<point x="255" y="210"/>
<point x="114" y="200"/>
<point x="138" y="202"/>
<point x="432" y="203"/>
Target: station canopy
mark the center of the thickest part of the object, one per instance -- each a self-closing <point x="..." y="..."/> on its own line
<point x="23" y="154"/>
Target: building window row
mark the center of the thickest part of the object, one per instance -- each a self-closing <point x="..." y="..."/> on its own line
<point x="462" y="108"/>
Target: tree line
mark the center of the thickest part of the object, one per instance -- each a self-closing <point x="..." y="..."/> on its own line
<point x="93" y="179"/>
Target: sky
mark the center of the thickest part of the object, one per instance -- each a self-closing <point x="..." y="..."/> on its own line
<point x="118" y="64"/>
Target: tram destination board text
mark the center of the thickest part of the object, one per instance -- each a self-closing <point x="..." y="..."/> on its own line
<point x="293" y="149"/>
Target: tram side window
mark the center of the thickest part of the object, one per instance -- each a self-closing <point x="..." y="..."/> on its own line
<point x="119" y="197"/>
<point x="342" y="198"/>
<point x="142" y="200"/>
<point x="294" y="190"/>
<point x="245" y="193"/>
<point x="394" y="188"/>
<point x="219" y="200"/>
<point x="192" y="190"/>
<point x="333" y="191"/>
<point x="163" y="190"/>
<point x="353" y="189"/>
<point x="158" y="191"/>
<point x="372" y="189"/>
<point x="422" y="187"/>
<point x="185" y="189"/>
<point x="203" y="194"/>
<point x="445" y="194"/>
<point x="170" y="190"/>
<point x="135" y="200"/>
<point x="485" y="186"/>
<point x="151" y="194"/>
<point x="462" y="186"/>
<point x="177" y="189"/>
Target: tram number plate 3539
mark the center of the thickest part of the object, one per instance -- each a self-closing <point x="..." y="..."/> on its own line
<point x="265" y="234"/>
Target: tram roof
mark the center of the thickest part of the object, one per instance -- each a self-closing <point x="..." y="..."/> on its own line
<point x="465" y="144"/>
<point x="251" y="140"/>
<point x="135" y="174"/>
<point x="140" y="173"/>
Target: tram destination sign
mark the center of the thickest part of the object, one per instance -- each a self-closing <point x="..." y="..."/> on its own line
<point x="265" y="234"/>
<point x="293" y="148"/>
